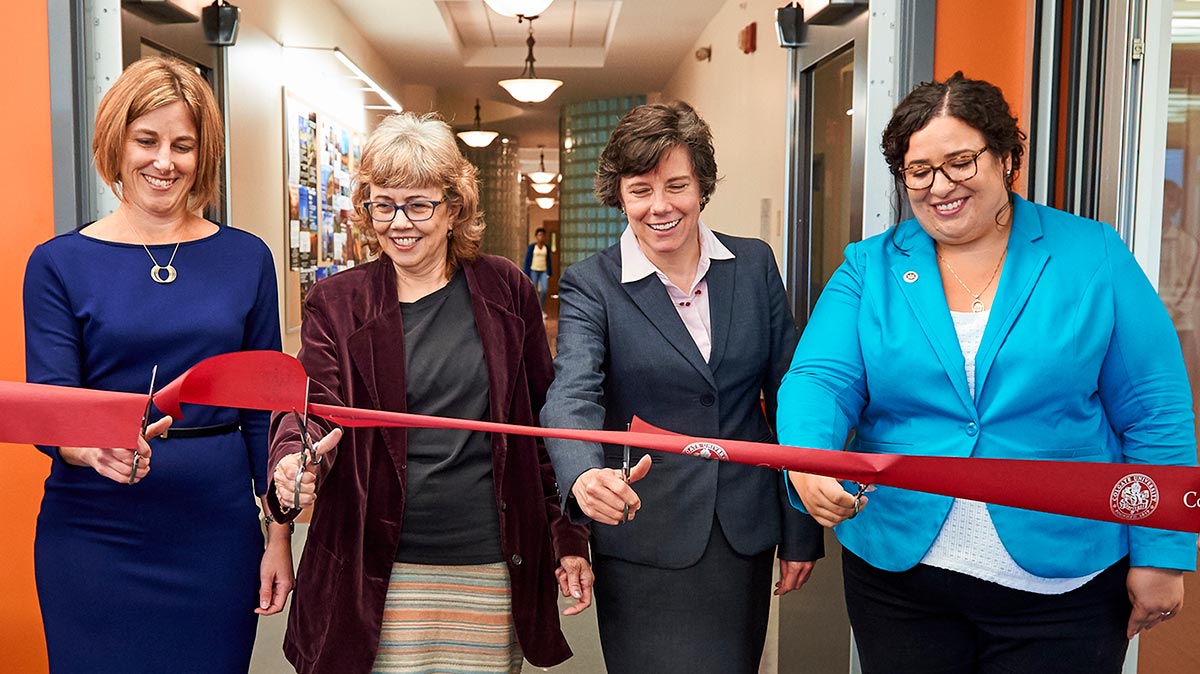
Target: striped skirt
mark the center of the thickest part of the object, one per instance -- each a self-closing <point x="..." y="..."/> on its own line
<point x="448" y="620"/>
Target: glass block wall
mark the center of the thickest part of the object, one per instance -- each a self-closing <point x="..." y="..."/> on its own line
<point x="500" y="198"/>
<point x="586" y="226"/>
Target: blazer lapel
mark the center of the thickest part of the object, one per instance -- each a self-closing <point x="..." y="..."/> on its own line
<point x="920" y="283"/>
<point x="721" y="289"/>
<point x="1022" y="269"/>
<point x="374" y="353"/>
<point x="653" y="301"/>
<point x="502" y="333"/>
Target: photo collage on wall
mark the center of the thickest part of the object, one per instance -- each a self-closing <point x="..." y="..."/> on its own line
<point x="322" y="155"/>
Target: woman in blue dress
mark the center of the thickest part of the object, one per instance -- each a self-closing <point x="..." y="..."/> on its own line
<point x="153" y="561"/>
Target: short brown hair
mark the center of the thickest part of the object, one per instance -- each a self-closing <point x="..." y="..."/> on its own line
<point x="411" y="151"/>
<point x="643" y="136"/>
<point x="145" y="86"/>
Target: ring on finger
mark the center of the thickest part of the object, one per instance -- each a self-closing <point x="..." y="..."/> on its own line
<point x="1167" y="614"/>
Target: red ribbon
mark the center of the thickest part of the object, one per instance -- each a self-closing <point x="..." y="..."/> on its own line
<point x="61" y="416"/>
<point x="1163" y="497"/>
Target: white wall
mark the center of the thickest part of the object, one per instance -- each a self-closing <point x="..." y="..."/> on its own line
<point x="743" y="97"/>
<point x="258" y="68"/>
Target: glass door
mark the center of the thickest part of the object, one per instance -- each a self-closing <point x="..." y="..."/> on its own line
<point x="1165" y="234"/>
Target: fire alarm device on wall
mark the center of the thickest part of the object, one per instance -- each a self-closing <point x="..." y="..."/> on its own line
<point x="748" y="38"/>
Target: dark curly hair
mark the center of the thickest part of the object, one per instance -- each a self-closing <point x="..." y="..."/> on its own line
<point x="977" y="103"/>
<point x="643" y="136"/>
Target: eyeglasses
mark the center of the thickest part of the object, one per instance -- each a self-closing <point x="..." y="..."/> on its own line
<point x="957" y="169"/>
<point x="415" y="211"/>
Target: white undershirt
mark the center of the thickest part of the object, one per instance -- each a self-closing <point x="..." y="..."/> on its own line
<point x="968" y="542"/>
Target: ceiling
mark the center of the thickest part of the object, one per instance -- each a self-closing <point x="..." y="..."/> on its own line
<point x="599" y="48"/>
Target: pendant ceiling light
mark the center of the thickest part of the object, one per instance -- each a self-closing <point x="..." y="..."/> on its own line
<point x="519" y="7"/>
<point x="545" y="203"/>
<point x="529" y="88"/>
<point x="542" y="188"/>
<point x="476" y="136"/>
<point x="542" y="175"/>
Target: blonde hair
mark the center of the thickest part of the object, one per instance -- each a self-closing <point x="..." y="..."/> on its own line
<point x="145" y="86"/>
<point x="413" y="151"/>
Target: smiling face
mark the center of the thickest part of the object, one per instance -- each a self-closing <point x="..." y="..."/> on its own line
<point x="663" y="207"/>
<point x="158" y="166"/>
<point x="964" y="212"/>
<point x="415" y="248"/>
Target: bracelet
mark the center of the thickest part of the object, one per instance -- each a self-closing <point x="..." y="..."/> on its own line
<point x="291" y="524"/>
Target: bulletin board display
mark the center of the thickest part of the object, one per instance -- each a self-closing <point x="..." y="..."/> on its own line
<point x="322" y="154"/>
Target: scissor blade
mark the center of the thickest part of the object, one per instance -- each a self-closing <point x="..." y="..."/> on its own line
<point x="307" y="383"/>
<point x="149" y="399"/>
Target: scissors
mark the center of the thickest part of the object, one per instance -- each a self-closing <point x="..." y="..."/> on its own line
<point x="307" y="451"/>
<point x="137" y="457"/>
<point x="625" y="476"/>
<point x="862" y="489"/>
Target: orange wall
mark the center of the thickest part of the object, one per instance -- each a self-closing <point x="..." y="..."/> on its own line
<point x="26" y="188"/>
<point x="985" y="40"/>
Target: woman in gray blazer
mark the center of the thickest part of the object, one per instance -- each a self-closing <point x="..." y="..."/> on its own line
<point x="691" y="331"/>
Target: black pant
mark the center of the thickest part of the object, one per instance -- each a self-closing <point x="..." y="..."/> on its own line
<point x="933" y="621"/>
<point x="709" y="618"/>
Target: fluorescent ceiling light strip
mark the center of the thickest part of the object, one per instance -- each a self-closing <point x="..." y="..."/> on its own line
<point x="395" y="105"/>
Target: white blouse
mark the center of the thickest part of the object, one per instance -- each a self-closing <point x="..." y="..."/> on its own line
<point x="968" y="542"/>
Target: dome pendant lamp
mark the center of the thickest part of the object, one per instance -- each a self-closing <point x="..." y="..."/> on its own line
<point x="525" y="8"/>
<point x="529" y="88"/>
<point x="476" y="136"/>
<point x="542" y="176"/>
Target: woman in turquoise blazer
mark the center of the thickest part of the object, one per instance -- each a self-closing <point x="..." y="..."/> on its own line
<point x="988" y="326"/>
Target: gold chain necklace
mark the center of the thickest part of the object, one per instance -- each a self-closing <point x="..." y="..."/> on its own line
<point x="157" y="270"/>
<point x="977" y="305"/>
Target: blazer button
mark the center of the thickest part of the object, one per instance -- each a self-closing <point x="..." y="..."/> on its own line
<point x="707" y="400"/>
<point x="516" y="560"/>
<point x="972" y="429"/>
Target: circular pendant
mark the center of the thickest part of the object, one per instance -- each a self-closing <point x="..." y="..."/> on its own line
<point x="976" y="306"/>
<point x="156" y="274"/>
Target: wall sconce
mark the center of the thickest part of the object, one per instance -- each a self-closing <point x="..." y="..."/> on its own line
<point x="220" y="22"/>
<point x="832" y="12"/>
<point x="789" y="26"/>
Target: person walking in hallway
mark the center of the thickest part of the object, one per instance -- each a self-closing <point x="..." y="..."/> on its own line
<point x="539" y="267"/>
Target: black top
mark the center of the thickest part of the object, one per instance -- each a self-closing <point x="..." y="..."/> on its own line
<point x="450" y="509"/>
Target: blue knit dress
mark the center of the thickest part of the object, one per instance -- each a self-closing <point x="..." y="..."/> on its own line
<point x="160" y="576"/>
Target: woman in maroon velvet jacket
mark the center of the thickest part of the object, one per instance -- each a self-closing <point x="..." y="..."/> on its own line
<point x="466" y="521"/>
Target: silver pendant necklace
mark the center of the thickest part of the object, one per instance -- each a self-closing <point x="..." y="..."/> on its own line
<point x="977" y="305"/>
<point x="156" y="271"/>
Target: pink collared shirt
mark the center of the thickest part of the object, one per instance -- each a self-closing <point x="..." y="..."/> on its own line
<point x="691" y="304"/>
